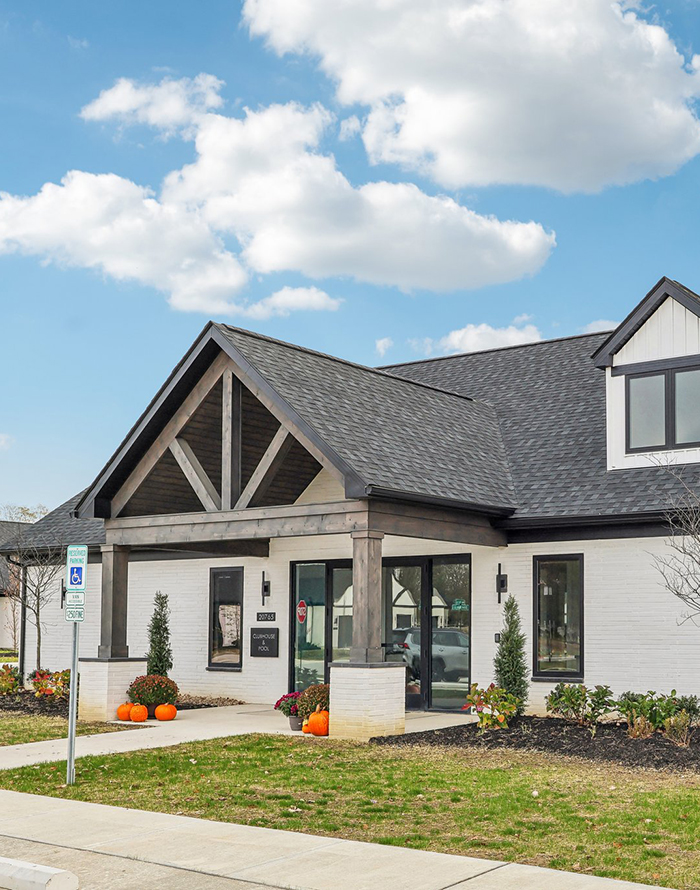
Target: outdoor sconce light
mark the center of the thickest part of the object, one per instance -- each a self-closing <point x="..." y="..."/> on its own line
<point x="265" y="589"/>
<point x="501" y="583"/>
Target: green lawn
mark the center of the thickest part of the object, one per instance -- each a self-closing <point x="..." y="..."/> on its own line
<point x="17" y="729"/>
<point x="601" y="819"/>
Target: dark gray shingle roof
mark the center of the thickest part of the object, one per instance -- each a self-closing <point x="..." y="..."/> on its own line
<point x="59" y="527"/>
<point x="550" y="400"/>
<point x="394" y="434"/>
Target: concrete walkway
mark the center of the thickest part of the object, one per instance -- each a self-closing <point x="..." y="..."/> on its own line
<point x="100" y="843"/>
<point x="188" y="726"/>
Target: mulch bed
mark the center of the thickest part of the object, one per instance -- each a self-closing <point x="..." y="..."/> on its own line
<point x="192" y="702"/>
<point x="553" y="736"/>
<point x="28" y="703"/>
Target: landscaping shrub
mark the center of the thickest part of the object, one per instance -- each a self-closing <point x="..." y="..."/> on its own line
<point x="640" y="727"/>
<point x="654" y="708"/>
<point x="50" y="683"/>
<point x="677" y="728"/>
<point x="153" y="689"/>
<point x="9" y="680"/>
<point x="579" y="704"/>
<point x="510" y="663"/>
<point x="311" y="697"/>
<point x="493" y="706"/>
<point x="691" y="705"/>
<point x="160" y="655"/>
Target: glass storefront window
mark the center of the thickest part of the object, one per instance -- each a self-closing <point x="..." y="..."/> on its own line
<point x="226" y="618"/>
<point x="342" y="614"/>
<point x="309" y="625"/>
<point x="559" y="615"/>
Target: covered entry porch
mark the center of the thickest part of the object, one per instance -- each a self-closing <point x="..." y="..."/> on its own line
<point x="372" y="677"/>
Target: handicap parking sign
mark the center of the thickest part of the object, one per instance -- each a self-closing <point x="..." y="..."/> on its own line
<point x="76" y="566"/>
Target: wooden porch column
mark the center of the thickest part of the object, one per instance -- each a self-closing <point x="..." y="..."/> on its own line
<point x="115" y="574"/>
<point x="366" y="597"/>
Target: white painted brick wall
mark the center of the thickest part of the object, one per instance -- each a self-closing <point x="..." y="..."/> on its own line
<point x="633" y="638"/>
<point x="367" y="702"/>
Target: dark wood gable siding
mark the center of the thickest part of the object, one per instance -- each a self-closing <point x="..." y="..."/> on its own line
<point x="298" y="469"/>
<point x="258" y="430"/>
<point x="203" y="434"/>
<point x="164" y="490"/>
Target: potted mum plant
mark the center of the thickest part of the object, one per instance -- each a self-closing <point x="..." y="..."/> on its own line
<point x="152" y="690"/>
<point x="289" y="706"/>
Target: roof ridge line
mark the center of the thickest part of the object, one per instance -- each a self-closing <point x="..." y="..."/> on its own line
<point x="442" y="358"/>
<point x="344" y="361"/>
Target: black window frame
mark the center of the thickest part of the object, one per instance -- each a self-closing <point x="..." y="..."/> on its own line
<point x="670" y="443"/>
<point x="537" y="674"/>
<point x="213" y="572"/>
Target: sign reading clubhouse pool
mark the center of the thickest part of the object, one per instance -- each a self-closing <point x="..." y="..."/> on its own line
<point x="264" y="642"/>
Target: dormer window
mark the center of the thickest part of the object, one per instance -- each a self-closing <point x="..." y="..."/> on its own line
<point x="663" y="410"/>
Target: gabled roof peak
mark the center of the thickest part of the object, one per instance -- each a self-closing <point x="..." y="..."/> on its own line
<point x="662" y="290"/>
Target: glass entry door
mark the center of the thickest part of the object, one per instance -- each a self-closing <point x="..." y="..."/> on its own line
<point x="426" y="624"/>
<point x="450" y="633"/>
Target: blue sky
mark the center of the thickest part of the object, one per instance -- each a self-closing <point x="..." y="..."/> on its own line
<point x="570" y="145"/>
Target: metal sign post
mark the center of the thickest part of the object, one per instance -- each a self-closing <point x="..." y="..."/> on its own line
<point x="76" y="580"/>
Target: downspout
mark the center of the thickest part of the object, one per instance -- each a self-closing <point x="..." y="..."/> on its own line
<point x="22" y="623"/>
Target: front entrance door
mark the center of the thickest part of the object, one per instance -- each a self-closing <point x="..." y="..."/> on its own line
<point x="426" y="624"/>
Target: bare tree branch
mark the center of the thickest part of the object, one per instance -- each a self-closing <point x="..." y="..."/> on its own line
<point x="35" y="561"/>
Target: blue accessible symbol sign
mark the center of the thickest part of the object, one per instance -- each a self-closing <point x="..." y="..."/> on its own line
<point x="76" y="576"/>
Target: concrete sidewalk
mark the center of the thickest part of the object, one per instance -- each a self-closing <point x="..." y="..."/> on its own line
<point x="188" y="726"/>
<point x="97" y="842"/>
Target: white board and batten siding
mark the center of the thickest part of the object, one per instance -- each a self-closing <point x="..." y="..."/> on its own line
<point x="670" y="332"/>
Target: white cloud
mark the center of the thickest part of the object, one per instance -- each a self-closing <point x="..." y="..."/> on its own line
<point x="601" y="325"/>
<point x="521" y="319"/>
<point x="259" y="197"/>
<point x="110" y="224"/>
<point x="349" y="127"/>
<point x="293" y="299"/>
<point x="383" y="345"/>
<point x="477" y="337"/>
<point x="78" y="43"/>
<point x="263" y="179"/>
<point x="573" y="96"/>
<point x="167" y="105"/>
<point x="5" y="441"/>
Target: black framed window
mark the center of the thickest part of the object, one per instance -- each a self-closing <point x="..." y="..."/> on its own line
<point x="662" y="410"/>
<point x="558" y="616"/>
<point x="226" y="619"/>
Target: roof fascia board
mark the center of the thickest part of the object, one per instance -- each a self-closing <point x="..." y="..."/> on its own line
<point x="375" y="491"/>
<point x="289" y="417"/>
<point x="84" y="509"/>
<point x="603" y="356"/>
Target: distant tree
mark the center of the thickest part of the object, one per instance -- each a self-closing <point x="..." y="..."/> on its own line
<point x="160" y="655"/>
<point x="35" y="565"/>
<point x="510" y="663"/>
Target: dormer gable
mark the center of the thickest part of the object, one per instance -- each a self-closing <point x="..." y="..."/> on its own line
<point x="652" y="364"/>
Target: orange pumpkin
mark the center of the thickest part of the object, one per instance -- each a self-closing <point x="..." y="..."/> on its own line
<point x="318" y="722"/>
<point x="305" y="726"/>
<point x="124" y="711"/>
<point x="139" y="713"/>
<point x="166" y="712"/>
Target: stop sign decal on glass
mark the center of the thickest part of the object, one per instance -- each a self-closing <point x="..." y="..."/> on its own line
<point x="301" y="611"/>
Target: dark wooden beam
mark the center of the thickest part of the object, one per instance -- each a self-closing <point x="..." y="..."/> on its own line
<point x="266" y="470"/>
<point x="195" y="474"/>
<point x="231" y="419"/>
